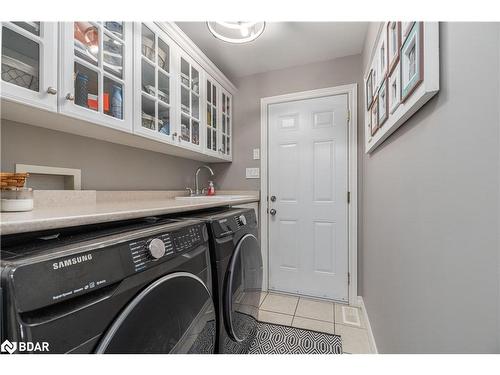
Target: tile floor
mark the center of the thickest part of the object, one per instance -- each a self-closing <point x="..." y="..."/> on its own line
<point x="317" y="315"/>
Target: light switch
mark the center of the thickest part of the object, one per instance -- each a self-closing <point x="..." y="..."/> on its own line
<point x="253" y="173"/>
<point x="256" y="153"/>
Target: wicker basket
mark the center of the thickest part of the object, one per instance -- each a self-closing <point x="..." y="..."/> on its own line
<point x="9" y="179"/>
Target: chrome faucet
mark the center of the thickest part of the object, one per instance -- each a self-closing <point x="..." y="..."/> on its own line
<point x="196" y="185"/>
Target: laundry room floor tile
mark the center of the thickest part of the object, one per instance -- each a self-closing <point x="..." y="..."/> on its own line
<point x="280" y="303"/>
<point x="275" y="318"/>
<point x="313" y="325"/>
<point x="349" y="316"/>
<point x="354" y="340"/>
<point x="319" y="310"/>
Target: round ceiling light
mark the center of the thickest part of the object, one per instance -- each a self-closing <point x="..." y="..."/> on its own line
<point x="236" y="32"/>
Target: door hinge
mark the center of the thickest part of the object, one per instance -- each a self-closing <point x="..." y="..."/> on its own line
<point x="348" y="278"/>
<point x="348" y="115"/>
<point x="348" y="197"/>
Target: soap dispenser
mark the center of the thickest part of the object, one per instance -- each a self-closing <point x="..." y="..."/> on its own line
<point x="211" y="188"/>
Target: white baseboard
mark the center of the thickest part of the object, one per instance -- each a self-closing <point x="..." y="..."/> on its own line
<point x="373" y="344"/>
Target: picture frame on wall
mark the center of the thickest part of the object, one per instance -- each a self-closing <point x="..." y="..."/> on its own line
<point x="405" y="29"/>
<point x="412" y="57"/>
<point x="393" y="44"/>
<point x="374" y="80"/>
<point x="369" y="90"/>
<point x="374" y="116"/>
<point x="368" y="121"/>
<point x="383" y="113"/>
<point x="381" y="59"/>
<point x="401" y="89"/>
<point x="394" y="89"/>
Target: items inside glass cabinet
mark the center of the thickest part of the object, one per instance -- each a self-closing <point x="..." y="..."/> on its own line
<point x="20" y="58"/>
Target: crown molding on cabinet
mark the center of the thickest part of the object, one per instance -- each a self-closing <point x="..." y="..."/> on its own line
<point x="185" y="43"/>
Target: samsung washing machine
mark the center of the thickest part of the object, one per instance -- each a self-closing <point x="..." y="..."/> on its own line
<point x="237" y="275"/>
<point x="140" y="286"/>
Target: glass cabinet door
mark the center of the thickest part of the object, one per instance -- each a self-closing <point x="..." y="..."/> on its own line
<point x="97" y="77"/>
<point x="212" y="120"/>
<point x="153" y="65"/>
<point x="190" y="113"/>
<point x="226" y="123"/>
<point x="29" y="63"/>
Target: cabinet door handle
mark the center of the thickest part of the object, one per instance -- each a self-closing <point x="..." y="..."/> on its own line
<point x="51" y="90"/>
<point x="70" y="97"/>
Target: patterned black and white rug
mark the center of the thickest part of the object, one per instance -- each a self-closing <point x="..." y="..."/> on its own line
<point x="278" y="339"/>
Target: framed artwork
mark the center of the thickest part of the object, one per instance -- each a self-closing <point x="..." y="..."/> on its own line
<point x="368" y="121"/>
<point x="369" y="90"/>
<point x="374" y="116"/>
<point x="412" y="57"/>
<point x="381" y="59"/>
<point x="405" y="29"/>
<point x="393" y="44"/>
<point x="374" y="78"/>
<point x="383" y="113"/>
<point x="394" y="89"/>
<point x="395" y="84"/>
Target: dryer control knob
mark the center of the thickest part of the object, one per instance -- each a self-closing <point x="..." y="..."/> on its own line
<point x="243" y="219"/>
<point x="156" y="248"/>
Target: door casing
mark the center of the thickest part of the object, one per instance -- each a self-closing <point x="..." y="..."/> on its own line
<point x="351" y="91"/>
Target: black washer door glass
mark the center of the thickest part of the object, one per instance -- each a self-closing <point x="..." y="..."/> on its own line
<point x="174" y="314"/>
<point x="243" y="289"/>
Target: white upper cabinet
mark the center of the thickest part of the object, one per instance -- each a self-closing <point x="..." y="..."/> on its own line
<point x="147" y="80"/>
<point x="154" y="92"/>
<point x="189" y="92"/>
<point x="226" y="125"/>
<point x="96" y="72"/>
<point x="212" y="116"/>
<point x="29" y="63"/>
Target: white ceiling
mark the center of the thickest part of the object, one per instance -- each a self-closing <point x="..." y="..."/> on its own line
<point x="282" y="45"/>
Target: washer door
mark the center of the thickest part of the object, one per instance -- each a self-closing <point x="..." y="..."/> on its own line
<point x="174" y="314"/>
<point x="243" y="288"/>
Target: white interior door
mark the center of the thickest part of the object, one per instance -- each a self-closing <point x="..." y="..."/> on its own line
<point x="308" y="176"/>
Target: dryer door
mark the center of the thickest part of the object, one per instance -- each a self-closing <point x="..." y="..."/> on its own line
<point x="243" y="288"/>
<point x="174" y="314"/>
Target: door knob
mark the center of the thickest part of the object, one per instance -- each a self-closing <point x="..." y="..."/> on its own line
<point x="70" y="97"/>
<point x="273" y="198"/>
<point x="272" y="211"/>
<point x="51" y="90"/>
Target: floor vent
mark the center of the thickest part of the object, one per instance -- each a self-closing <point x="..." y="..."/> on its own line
<point x="350" y="315"/>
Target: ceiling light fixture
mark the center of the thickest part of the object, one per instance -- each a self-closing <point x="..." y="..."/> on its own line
<point x="237" y="32"/>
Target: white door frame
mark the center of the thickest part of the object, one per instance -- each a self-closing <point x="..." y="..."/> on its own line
<point x="351" y="91"/>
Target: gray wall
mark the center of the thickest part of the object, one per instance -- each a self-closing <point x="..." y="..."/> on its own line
<point x="104" y="165"/>
<point x="429" y="260"/>
<point x="252" y="88"/>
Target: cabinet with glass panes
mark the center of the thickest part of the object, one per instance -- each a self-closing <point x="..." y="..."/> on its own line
<point x="96" y="61"/>
<point x="226" y="124"/>
<point x="29" y="63"/>
<point x="154" y="83"/>
<point x="212" y="117"/>
<point x="189" y="113"/>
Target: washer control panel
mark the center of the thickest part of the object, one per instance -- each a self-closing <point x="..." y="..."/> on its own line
<point x="144" y="252"/>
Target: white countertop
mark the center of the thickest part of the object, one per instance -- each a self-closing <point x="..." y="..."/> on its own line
<point x="43" y="217"/>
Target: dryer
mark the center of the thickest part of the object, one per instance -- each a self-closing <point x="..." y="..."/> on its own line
<point x="237" y="275"/>
<point x="135" y="287"/>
